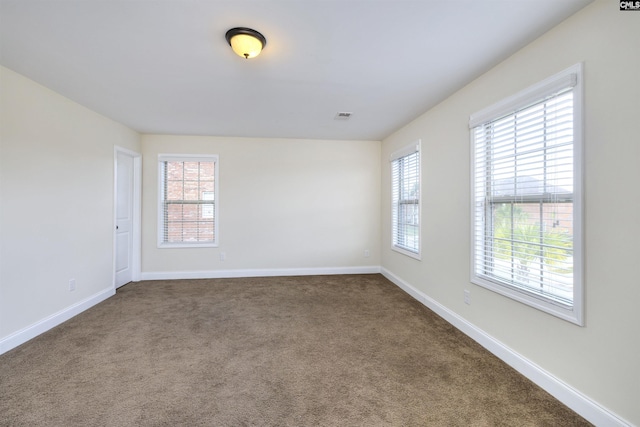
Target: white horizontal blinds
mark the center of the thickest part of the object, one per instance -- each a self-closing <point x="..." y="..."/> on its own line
<point x="189" y="201"/>
<point x="532" y="96"/>
<point x="405" y="182"/>
<point x="523" y="198"/>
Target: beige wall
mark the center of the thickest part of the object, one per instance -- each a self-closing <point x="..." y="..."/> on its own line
<point x="56" y="192"/>
<point x="600" y="360"/>
<point x="284" y="204"/>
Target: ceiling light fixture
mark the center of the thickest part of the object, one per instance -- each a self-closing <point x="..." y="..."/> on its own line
<point x="246" y="42"/>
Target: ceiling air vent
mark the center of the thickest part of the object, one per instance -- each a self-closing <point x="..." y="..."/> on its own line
<point x="343" y="115"/>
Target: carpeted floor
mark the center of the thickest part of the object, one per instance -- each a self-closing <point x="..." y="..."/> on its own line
<point x="279" y="351"/>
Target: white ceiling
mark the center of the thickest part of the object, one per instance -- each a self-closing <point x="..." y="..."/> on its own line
<point x="164" y="66"/>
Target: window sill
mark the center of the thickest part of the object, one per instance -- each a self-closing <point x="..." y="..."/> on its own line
<point x="570" y="314"/>
<point x="187" y="245"/>
<point x="417" y="256"/>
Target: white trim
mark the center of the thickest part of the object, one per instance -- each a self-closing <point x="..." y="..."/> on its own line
<point x="25" y="334"/>
<point x="578" y="197"/>
<point x="267" y="272"/>
<point x="136" y="264"/>
<point x="578" y="402"/>
<point x="185" y="157"/>
<point x="137" y="218"/>
<point x="564" y="79"/>
<point x="405" y="151"/>
<point x="414" y="255"/>
<point x="183" y="245"/>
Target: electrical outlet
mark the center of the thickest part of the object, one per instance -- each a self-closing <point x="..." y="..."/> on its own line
<point x="72" y="285"/>
<point x="467" y="297"/>
<point x="367" y="253"/>
<point x="223" y="256"/>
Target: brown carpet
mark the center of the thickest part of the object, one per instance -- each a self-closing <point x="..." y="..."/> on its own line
<point x="280" y="351"/>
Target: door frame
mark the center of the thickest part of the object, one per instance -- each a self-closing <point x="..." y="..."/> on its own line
<point x="136" y="226"/>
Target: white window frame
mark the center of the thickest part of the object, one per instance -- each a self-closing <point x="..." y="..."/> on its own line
<point x="411" y="149"/>
<point x="162" y="158"/>
<point x="572" y="76"/>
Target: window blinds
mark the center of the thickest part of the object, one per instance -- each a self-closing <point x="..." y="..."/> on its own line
<point x="188" y="201"/>
<point x="405" y="183"/>
<point x="523" y="197"/>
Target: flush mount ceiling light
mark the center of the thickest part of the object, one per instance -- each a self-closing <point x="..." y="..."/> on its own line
<point x="245" y="42"/>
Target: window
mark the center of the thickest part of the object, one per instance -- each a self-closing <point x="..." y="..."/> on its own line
<point x="188" y="210"/>
<point x="405" y="193"/>
<point x="527" y="196"/>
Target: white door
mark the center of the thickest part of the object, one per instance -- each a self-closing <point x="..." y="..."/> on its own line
<point x="124" y="219"/>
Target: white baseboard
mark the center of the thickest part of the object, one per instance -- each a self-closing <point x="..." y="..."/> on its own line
<point x="224" y="274"/>
<point x="566" y="394"/>
<point x="24" y="335"/>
